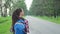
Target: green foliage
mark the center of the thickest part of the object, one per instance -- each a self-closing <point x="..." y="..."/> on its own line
<point x="45" y="8"/>
<point x="15" y="4"/>
<point x="20" y="4"/>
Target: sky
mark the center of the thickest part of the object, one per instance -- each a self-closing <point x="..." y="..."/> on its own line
<point x="28" y="3"/>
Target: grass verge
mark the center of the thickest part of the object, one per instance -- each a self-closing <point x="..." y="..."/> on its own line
<point x="5" y="24"/>
<point x="52" y="19"/>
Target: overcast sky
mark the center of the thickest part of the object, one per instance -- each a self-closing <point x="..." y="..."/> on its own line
<point x="28" y="3"/>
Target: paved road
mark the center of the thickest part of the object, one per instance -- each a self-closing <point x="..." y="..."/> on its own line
<point x="39" y="26"/>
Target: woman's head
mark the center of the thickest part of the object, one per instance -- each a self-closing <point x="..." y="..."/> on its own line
<point x="16" y="15"/>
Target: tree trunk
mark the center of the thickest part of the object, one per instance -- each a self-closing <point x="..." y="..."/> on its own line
<point x="0" y="7"/>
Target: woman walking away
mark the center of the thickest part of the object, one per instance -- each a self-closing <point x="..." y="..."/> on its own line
<point x="19" y="24"/>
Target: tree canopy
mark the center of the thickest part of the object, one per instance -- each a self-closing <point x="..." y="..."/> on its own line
<point x="11" y="5"/>
<point x="45" y="8"/>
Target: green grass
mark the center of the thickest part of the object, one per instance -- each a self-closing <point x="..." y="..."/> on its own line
<point x="52" y="19"/>
<point x="5" y="24"/>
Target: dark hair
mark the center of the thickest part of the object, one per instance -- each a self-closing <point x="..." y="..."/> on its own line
<point x="15" y="17"/>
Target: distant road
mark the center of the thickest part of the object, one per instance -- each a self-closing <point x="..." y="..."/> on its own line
<point x="40" y="26"/>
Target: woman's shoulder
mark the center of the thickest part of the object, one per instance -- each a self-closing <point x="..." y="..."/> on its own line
<point x="19" y="26"/>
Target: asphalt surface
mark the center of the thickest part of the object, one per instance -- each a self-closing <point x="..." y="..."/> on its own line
<point x="40" y="26"/>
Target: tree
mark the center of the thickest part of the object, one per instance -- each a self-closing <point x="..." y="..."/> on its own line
<point x="12" y="5"/>
<point x="45" y="8"/>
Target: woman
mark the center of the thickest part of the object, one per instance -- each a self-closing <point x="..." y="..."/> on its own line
<point x="19" y="24"/>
